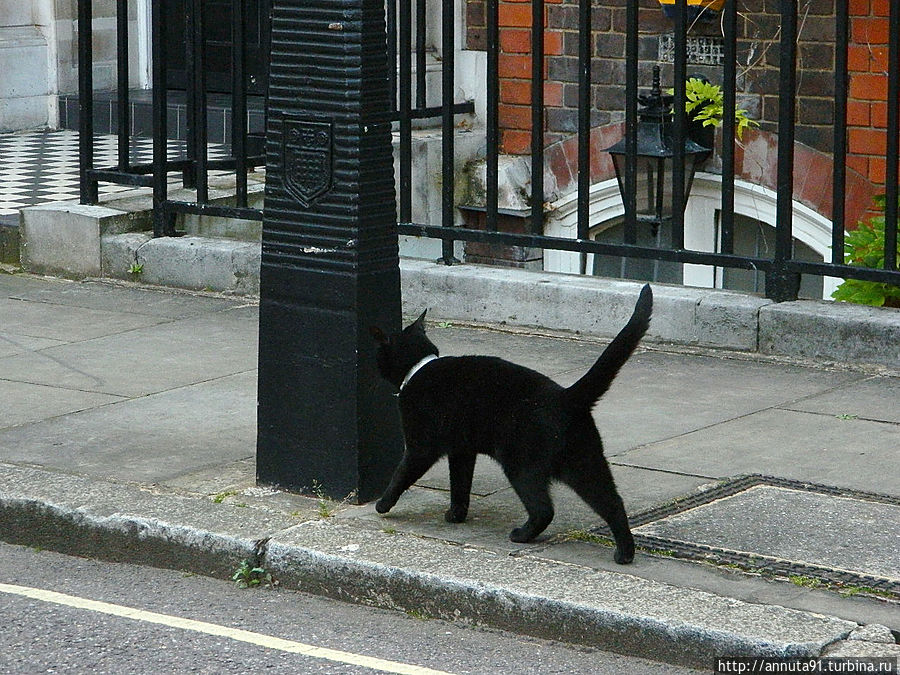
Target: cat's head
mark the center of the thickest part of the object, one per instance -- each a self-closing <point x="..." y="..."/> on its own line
<point x="399" y="352"/>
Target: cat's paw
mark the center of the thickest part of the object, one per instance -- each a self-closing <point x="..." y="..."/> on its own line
<point x="521" y="535"/>
<point x="384" y="505"/>
<point x="623" y="557"/>
<point x="456" y="514"/>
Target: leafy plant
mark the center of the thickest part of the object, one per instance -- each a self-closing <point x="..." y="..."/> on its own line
<point x="136" y="269"/>
<point x="326" y="505"/>
<point x="864" y="246"/>
<point x="804" y="581"/>
<point x="222" y="496"/>
<point x="251" y="577"/>
<point x="705" y="103"/>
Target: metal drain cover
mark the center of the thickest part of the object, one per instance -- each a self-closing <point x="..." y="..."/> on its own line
<point x="844" y="537"/>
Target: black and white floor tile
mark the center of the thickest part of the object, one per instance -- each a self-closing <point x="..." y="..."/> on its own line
<point x="42" y="166"/>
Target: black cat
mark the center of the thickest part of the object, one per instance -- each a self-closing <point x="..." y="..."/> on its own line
<point x="537" y="430"/>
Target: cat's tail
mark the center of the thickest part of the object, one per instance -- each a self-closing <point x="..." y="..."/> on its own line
<point x="593" y="384"/>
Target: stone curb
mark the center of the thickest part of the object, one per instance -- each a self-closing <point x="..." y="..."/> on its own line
<point x="833" y="332"/>
<point x="584" y="304"/>
<point x="357" y="562"/>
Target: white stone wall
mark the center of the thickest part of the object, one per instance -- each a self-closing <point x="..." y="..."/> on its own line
<point x="26" y="86"/>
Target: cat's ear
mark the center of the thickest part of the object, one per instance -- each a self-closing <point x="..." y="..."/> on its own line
<point x="379" y="335"/>
<point x="419" y="324"/>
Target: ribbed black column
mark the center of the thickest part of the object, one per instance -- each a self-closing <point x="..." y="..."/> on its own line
<point x="329" y="252"/>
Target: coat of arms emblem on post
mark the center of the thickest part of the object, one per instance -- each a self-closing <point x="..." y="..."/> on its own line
<point x="306" y="152"/>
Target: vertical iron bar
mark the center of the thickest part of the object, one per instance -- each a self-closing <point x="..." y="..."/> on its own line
<point x="391" y="21"/>
<point x="839" y="189"/>
<point x="493" y="113"/>
<point x="679" y="75"/>
<point x="87" y="185"/>
<point x="405" y="105"/>
<point x="161" y="225"/>
<point x="189" y="172"/>
<point x="729" y="84"/>
<point x="200" y="103"/>
<point x="537" y="116"/>
<point x="124" y="122"/>
<point x="631" y="94"/>
<point x="421" y="29"/>
<point x="780" y="284"/>
<point x="448" y="79"/>
<point x="585" y="52"/>
<point x="893" y="138"/>
<point x="239" y="100"/>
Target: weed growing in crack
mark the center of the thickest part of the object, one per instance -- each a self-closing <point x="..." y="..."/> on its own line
<point x="252" y="577"/>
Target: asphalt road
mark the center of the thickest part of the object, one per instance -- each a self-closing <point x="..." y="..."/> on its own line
<point x="71" y="615"/>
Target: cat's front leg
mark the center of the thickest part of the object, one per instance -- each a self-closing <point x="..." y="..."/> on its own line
<point x="411" y="468"/>
<point x="462" y="466"/>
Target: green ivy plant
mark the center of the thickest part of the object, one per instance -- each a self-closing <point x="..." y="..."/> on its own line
<point x="864" y="246"/>
<point x="705" y="103"/>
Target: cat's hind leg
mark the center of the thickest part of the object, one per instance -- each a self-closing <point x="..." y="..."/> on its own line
<point x="412" y="467"/>
<point x="462" y="466"/>
<point x="588" y="474"/>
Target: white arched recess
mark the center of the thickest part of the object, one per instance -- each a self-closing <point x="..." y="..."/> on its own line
<point x="700" y="233"/>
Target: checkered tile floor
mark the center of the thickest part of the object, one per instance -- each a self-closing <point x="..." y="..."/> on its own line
<point x="41" y="167"/>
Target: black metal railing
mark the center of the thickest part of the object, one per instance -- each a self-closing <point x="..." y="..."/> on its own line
<point x="407" y="45"/>
<point x="246" y="149"/>
<point x="782" y="270"/>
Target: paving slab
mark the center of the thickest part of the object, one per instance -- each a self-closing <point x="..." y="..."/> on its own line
<point x="823" y="449"/>
<point x="117" y="297"/>
<point x="12" y="344"/>
<point x="66" y="323"/>
<point x="841" y="533"/>
<point x="148" y="439"/>
<point x="145" y="359"/>
<point x="687" y="393"/>
<point x="24" y="403"/>
<point x="875" y="398"/>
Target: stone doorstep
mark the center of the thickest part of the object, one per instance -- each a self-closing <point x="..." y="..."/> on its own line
<point x="67" y="239"/>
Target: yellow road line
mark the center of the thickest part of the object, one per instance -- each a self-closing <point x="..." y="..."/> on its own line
<point x="220" y="631"/>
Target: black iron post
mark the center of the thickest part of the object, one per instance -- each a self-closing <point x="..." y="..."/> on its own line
<point x="783" y="284"/>
<point x="329" y="252"/>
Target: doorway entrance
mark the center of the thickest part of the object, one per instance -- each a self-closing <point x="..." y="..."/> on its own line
<point x="218" y="23"/>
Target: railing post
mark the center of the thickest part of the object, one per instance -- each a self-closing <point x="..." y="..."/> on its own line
<point x="781" y="284"/>
<point x="330" y="265"/>
<point x="87" y="185"/>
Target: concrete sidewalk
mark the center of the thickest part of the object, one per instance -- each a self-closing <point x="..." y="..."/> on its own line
<point x="127" y="432"/>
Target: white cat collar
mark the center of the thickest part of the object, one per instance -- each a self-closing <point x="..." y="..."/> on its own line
<point x="415" y="369"/>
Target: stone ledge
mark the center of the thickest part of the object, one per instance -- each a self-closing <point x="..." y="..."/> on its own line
<point x="831" y="331"/>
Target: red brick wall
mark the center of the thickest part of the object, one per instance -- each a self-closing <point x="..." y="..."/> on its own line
<point x="758" y="54"/>
<point x="867" y="107"/>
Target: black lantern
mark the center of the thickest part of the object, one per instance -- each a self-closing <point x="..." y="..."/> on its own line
<point x="655" y="158"/>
